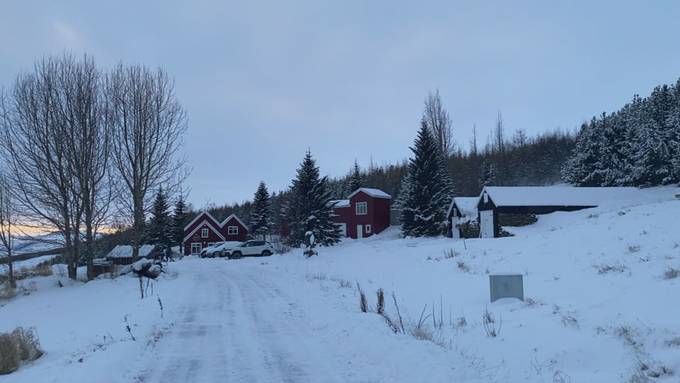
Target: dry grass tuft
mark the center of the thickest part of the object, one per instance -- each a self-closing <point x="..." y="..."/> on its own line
<point x="380" y="306"/>
<point x="363" y="302"/>
<point x="491" y="327"/>
<point x="16" y="347"/>
<point x="671" y="273"/>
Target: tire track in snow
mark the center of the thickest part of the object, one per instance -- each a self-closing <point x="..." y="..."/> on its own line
<point x="237" y="327"/>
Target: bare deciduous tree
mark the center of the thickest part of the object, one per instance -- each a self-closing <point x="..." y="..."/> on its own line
<point x="148" y="124"/>
<point x="438" y="121"/>
<point x="55" y="144"/>
<point x="499" y="134"/>
<point x="34" y="143"/>
<point x="88" y="149"/>
<point x="473" y="141"/>
<point x="8" y="215"/>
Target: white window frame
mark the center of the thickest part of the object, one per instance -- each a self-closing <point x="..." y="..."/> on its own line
<point x="195" y="244"/>
<point x="363" y="211"/>
<point x="205" y="233"/>
<point x="368" y="229"/>
<point x="232" y="232"/>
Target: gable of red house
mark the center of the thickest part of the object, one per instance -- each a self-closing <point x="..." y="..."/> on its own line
<point x="233" y="229"/>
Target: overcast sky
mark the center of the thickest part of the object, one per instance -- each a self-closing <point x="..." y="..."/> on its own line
<point x="264" y="81"/>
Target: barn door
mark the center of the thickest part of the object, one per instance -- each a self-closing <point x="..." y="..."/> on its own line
<point x="486" y="224"/>
<point x="455" y="231"/>
<point x="360" y="231"/>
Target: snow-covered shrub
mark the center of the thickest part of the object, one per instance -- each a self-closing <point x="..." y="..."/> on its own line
<point x="531" y="302"/>
<point x="561" y="377"/>
<point x="27" y="344"/>
<point x="344" y="284"/>
<point x="675" y="342"/>
<point x="44" y="269"/>
<point x="9" y="357"/>
<point x="463" y="267"/>
<point x="628" y="335"/>
<point x="16" y="347"/>
<point x="569" y="321"/>
<point x="606" y="269"/>
<point x="633" y="248"/>
<point x="6" y="291"/>
<point x="671" y="273"/>
<point x="646" y="373"/>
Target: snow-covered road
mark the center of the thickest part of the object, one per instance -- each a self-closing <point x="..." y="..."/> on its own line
<point x="236" y="326"/>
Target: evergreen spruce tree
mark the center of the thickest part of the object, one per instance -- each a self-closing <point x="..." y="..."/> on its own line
<point x="426" y="193"/>
<point x="356" y="180"/>
<point x="260" y="216"/>
<point x="488" y="173"/>
<point x="308" y="207"/>
<point x="580" y="168"/>
<point x="638" y="145"/>
<point x="179" y="220"/>
<point x="160" y="229"/>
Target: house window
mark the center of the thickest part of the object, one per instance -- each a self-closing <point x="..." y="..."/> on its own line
<point x="369" y="229"/>
<point x="232" y="230"/>
<point x="195" y="247"/>
<point x="204" y="233"/>
<point x="362" y="208"/>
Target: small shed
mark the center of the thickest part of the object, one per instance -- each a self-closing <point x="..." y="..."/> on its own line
<point x="462" y="210"/>
<point x="122" y="254"/>
<point x="496" y="200"/>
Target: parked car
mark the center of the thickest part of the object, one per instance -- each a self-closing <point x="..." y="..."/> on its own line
<point x="224" y="249"/>
<point x="252" y="248"/>
<point x="209" y="251"/>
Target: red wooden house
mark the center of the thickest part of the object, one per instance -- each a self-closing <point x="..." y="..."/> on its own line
<point x="205" y="230"/>
<point x="365" y="212"/>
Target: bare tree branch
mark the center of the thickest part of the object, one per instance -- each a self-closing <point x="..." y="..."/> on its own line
<point x="148" y="124"/>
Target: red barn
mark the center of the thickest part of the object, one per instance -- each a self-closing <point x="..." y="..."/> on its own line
<point x="365" y="212"/>
<point x="205" y="230"/>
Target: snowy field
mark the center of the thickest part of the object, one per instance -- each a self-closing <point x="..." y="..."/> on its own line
<point x="602" y="306"/>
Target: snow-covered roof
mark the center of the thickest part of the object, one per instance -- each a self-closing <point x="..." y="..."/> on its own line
<point x="466" y="205"/>
<point x="556" y="195"/>
<point x="201" y="216"/>
<point x="125" y="251"/>
<point x="339" y="203"/>
<point x="376" y="193"/>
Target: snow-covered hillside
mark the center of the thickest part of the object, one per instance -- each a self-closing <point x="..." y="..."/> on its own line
<point x="602" y="306"/>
